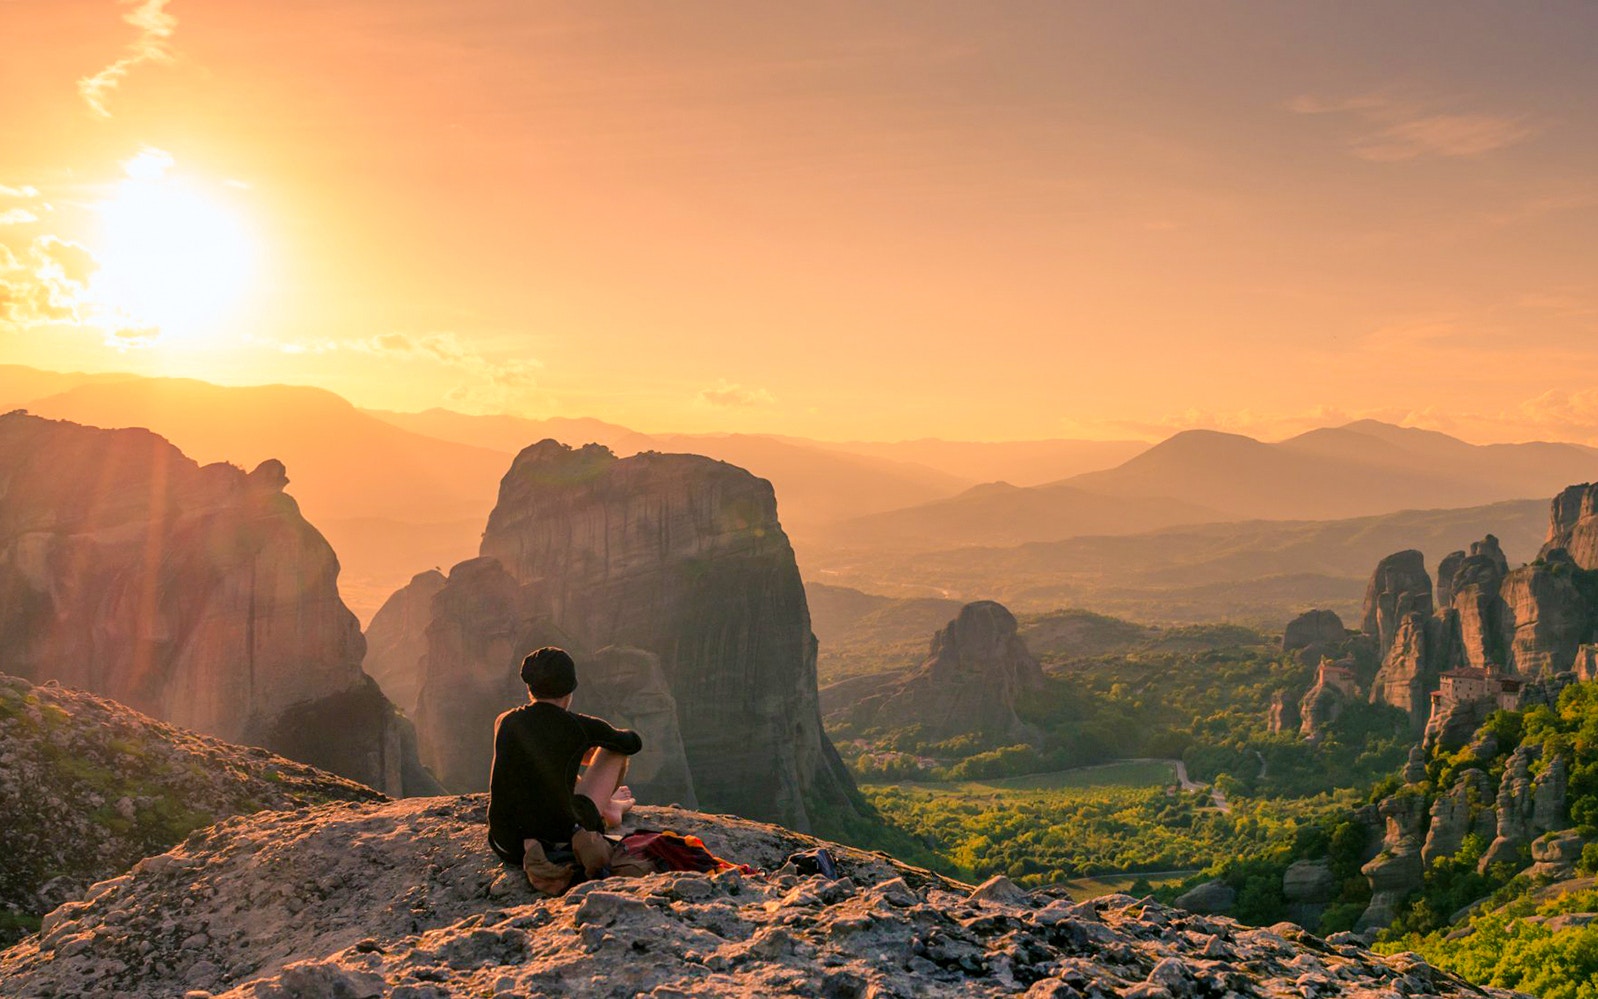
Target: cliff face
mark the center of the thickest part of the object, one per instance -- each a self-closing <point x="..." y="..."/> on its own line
<point x="197" y="595"/>
<point x="1548" y="611"/>
<point x="1399" y="587"/>
<point x="1573" y="524"/>
<point x="976" y="673"/>
<point x="678" y="557"/>
<point x="396" y="637"/>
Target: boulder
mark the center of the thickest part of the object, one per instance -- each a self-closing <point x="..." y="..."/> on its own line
<point x="1215" y="898"/>
<point x="197" y="595"/>
<point x="1415" y="766"/>
<point x="1554" y="855"/>
<point x="1309" y="886"/>
<point x="976" y="673"/>
<point x="1313" y="628"/>
<point x="1399" y="587"/>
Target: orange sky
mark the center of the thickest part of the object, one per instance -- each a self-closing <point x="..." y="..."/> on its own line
<point x="870" y="220"/>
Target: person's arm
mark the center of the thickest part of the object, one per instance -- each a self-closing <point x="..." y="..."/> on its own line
<point x="599" y="733"/>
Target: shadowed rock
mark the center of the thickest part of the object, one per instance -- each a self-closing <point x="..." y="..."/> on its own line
<point x="976" y="673"/>
<point x="1399" y="587"/>
<point x="397" y="637"/>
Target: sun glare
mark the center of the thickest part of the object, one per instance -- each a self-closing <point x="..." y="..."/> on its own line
<point x="173" y="260"/>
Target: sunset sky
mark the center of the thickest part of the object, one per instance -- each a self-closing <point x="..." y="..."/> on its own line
<point x="837" y="220"/>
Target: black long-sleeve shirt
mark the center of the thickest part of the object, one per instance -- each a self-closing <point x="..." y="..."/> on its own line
<point x="537" y="750"/>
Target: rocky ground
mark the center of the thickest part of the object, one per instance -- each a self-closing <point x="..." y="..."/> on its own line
<point x="402" y="899"/>
<point x="88" y="787"/>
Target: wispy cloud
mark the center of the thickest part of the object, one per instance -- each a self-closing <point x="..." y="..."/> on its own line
<point x="17" y="216"/>
<point x="153" y="44"/>
<point x="1394" y="130"/>
<point x="727" y="394"/>
<point x="46" y="284"/>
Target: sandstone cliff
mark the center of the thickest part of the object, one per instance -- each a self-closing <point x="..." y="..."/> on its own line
<point x="397" y="637"/>
<point x="1398" y="588"/>
<point x="975" y="674"/>
<point x="677" y="556"/>
<point x="1573" y="524"/>
<point x="198" y="595"/>
<point x="1550" y="609"/>
<point x="402" y="899"/>
<point x="88" y="787"/>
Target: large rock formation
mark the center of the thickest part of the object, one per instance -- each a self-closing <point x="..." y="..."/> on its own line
<point x="1465" y="809"/>
<point x="1396" y="872"/>
<point x="396" y="639"/>
<point x="197" y="595"/>
<point x="976" y="673"/>
<point x="677" y="556"/>
<point x="1573" y="524"/>
<point x="1398" y="588"/>
<point x="1408" y="673"/>
<point x="627" y="686"/>
<point x="402" y="900"/>
<point x="1526" y="807"/>
<point x="88" y="787"/>
<point x="1313" y="629"/>
<point x="1550" y="609"/>
<point x="1474" y="586"/>
<point x="1335" y="687"/>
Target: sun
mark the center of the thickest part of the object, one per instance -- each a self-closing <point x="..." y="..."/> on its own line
<point x="174" y="260"/>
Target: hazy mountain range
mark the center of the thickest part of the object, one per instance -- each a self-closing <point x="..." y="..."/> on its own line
<point x="397" y="493"/>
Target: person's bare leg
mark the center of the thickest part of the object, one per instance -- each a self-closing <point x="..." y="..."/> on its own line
<point x="602" y="784"/>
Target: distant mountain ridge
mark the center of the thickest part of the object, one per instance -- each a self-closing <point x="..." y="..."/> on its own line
<point x="1363" y="469"/>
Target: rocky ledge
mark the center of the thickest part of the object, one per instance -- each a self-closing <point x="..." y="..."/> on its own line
<point x="88" y="787"/>
<point x="401" y="899"/>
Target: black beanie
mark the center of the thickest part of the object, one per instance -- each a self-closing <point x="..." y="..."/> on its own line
<point x="549" y="672"/>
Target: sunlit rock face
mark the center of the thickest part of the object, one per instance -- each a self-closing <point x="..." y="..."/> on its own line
<point x="678" y="557"/>
<point x="197" y="595"/>
<point x="1573" y="524"/>
<point x="1399" y="587"/>
<point x="976" y="673"/>
<point x="1549" y="611"/>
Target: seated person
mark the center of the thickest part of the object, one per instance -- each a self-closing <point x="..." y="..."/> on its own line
<point x="534" y="792"/>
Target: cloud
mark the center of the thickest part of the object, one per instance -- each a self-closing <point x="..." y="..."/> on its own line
<point x="23" y="193"/>
<point x="46" y="284"/>
<point x="730" y="394"/>
<point x="1398" y="130"/>
<point x="17" y="216"/>
<point x="152" y="45"/>
<point x="497" y="384"/>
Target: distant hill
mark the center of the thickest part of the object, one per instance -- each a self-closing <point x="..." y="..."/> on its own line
<point x="1002" y="514"/>
<point x="1253" y="572"/>
<point x="1021" y="463"/>
<point x="814" y="485"/>
<point x="1356" y="470"/>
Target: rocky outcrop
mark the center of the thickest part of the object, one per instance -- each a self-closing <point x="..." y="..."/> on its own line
<point x="976" y="673"/>
<point x="1550" y="610"/>
<point x="1396" y="872"/>
<point x="1414" y="771"/>
<point x="1585" y="668"/>
<point x="1214" y="898"/>
<point x="88" y="787"/>
<point x="1308" y="886"/>
<point x="1526" y="808"/>
<point x="197" y="595"/>
<point x="1312" y="629"/>
<point x="1409" y="672"/>
<point x="1573" y="524"/>
<point x="626" y="686"/>
<point x="1321" y="705"/>
<point x="396" y="639"/>
<point x="1463" y="810"/>
<point x="1475" y="586"/>
<point x="402" y="899"/>
<point x="1454" y="723"/>
<point x="1398" y="588"/>
<point x="1283" y="713"/>
<point x="1554" y="855"/>
<point x="678" y="556"/>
